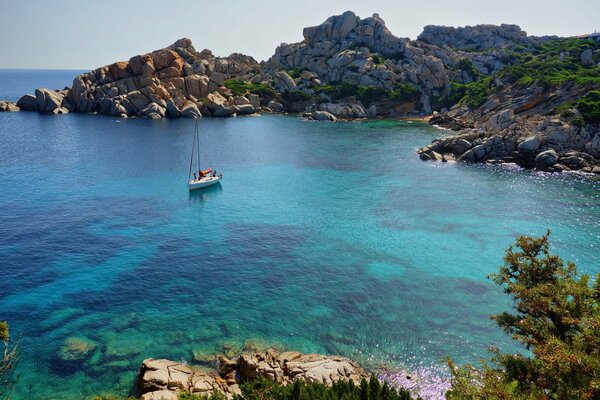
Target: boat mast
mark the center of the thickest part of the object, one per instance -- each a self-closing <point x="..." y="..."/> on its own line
<point x="192" y="158"/>
<point x="198" y="144"/>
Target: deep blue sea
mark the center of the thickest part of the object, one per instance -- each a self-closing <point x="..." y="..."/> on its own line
<point x="323" y="237"/>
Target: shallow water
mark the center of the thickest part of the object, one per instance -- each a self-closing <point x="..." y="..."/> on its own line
<point x="324" y="237"/>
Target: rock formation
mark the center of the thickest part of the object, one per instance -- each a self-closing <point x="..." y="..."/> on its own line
<point x="8" y="106"/>
<point x="537" y="142"/>
<point x="162" y="379"/>
<point x="351" y="67"/>
<point x="362" y="52"/>
<point x="477" y="37"/>
<point x="173" y="82"/>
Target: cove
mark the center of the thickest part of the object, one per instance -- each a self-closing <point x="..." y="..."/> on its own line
<point x="323" y="237"/>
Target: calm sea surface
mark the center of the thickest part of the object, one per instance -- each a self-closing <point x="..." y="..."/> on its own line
<point x="323" y="237"/>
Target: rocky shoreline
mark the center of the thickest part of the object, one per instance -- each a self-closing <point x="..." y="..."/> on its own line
<point x="543" y="143"/>
<point x="164" y="379"/>
<point x="474" y="79"/>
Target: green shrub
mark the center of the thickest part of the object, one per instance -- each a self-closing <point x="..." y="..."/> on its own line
<point x="466" y="65"/>
<point x="405" y="92"/>
<point x="378" y="60"/>
<point x="473" y="94"/>
<point x="294" y="73"/>
<point x="565" y="110"/>
<point x="578" y="121"/>
<point x="477" y="93"/>
<point x="9" y="357"/>
<point x="195" y="396"/>
<point x="556" y="317"/>
<point x="368" y="94"/>
<point x="240" y="88"/>
<point x="546" y="67"/>
<point x="589" y="106"/>
<point x="295" y="96"/>
<point x="372" y="389"/>
<point x="4" y="336"/>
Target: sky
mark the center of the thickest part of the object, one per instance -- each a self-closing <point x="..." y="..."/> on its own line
<point x="82" y="34"/>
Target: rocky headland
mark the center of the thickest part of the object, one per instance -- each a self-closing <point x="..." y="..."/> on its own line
<point x="514" y="98"/>
<point x="163" y="379"/>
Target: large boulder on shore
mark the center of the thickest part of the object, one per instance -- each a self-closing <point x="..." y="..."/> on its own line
<point x="529" y="145"/>
<point x="275" y="106"/>
<point x="546" y="159"/>
<point x="28" y="103"/>
<point x="164" y="378"/>
<point x="323" y="116"/>
<point x="48" y="100"/>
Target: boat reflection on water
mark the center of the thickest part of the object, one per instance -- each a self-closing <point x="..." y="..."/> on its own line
<point x="205" y="193"/>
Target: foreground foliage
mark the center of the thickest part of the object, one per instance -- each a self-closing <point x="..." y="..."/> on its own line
<point x="266" y="389"/>
<point x="556" y="317"/>
<point x="8" y="361"/>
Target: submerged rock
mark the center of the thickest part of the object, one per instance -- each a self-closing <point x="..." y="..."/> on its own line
<point x="77" y="348"/>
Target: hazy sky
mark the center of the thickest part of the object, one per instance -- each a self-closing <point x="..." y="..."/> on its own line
<point x="80" y="34"/>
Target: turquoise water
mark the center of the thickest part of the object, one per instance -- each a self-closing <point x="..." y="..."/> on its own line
<point x="324" y="237"/>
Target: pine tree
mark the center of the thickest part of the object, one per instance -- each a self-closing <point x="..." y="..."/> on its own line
<point x="556" y="317"/>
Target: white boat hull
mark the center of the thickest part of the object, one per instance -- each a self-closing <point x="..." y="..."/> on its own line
<point x="203" y="182"/>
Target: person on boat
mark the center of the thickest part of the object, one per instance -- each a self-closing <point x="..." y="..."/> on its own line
<point x="195" y="176"/>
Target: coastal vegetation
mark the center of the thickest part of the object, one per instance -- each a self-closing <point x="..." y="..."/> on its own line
<point x="266" y="389"/>
<point x="8" y="361"/>
<point x="556" y="318"/>
<point x="473" y="94"/>
<point x="557" y="62"/>
<point x="589" y="106"/>
<point x="239" y="87"/>
<point x="367" y="95"/>
<point x="554" y="63"/>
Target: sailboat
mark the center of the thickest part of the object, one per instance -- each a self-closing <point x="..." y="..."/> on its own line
<point x="199" y="178"/>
